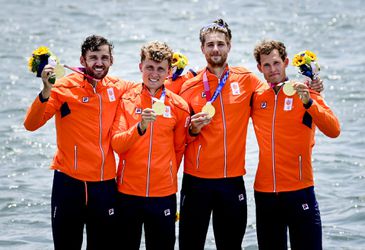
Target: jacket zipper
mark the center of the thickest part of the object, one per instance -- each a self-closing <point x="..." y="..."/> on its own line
<point x="300" y="167"/>
<point x="224" y="135"/>
<point x="273" y="142"/>
<point x="100" y="135"/>
<point x="122" y="173"/>
<point x="75" y="157"/>
<point x="149" y="160"/>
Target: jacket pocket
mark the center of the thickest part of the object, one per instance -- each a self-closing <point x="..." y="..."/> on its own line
<point x="171" y="173"/>
<point x="122" y="172"/>
<point x="300" y="163"/>
<point x="75" y="157"/>
<point x="198" y="156"/>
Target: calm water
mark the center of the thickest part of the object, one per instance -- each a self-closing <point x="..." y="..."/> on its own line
<point x="332" y="29"/>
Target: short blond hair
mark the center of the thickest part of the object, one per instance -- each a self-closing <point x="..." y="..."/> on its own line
<point x="157" y="51"/>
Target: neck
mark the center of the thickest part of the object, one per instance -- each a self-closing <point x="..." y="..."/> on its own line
<point x="152" y="91"/>
<point x="93" y="82"/>
<point x="217" y="70"/>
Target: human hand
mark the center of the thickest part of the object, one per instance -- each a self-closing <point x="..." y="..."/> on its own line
<point x="198" y="121"/>
<point x="303" y="91"/>
<point x="47" y="76"/>
<point x="317" y="85"/>
<point x="148" y="116"/>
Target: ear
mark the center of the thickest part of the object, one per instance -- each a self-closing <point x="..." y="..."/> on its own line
<point x="286" y="62"/>
<point x="140" y="66"/>
<point x="111" y="60"/>
<point x="82" y="61"/>
<point x="259" y="67"/>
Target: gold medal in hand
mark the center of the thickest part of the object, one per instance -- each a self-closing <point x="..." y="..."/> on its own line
<point x="288" y="88"/>
<point x="158" y="107"/>
<point x="208" y="108"/>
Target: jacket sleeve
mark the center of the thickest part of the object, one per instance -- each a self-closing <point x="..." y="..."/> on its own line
<point x="123" y="136"/>
<point x="323" y="117"/>
<point x="40" y="112"/>
<point x="180" y="133"/>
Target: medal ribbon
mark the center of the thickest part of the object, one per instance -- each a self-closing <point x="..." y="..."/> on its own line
<point x="219" y="88"/>
<point x="278" y="84"/>
<point x="162" y="97"/>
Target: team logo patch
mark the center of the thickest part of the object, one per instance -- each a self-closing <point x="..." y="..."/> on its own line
<point x="204" y="95"/>
<point x="241" y="197"/>
<point x="85" y="99"/>
<point x="167" y="212"/>
<point x="305" y="206"/>
<point x="263" y="105"/>
<point x="138" y="111"/>
<point x="111" y="211"/>
<point x="167" y="112"/>
<point x="288" y="104"/>
<point x="111" y="94"/>
<point x="235" y="88"/>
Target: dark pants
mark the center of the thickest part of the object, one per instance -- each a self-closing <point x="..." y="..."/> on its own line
<point x="156" y="214"/>
<point x="226" y="199"/>
<point x="76" y="203"/>
<point x="297" y="211"/>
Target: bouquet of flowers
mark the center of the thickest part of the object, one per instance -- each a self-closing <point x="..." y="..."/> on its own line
<point x="40" y="58"/>
<point x="306" y="61"/>
<point x="179" y="61"/>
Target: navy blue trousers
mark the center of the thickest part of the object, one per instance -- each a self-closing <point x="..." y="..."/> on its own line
<point x="77" y="203"/>
<point x="297" y="211"/>
<point x="225" y="199"/>
<point x="157" y="215"/>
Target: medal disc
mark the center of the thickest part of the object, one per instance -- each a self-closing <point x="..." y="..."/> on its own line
<point x="158" y="107"/>
<point x="208" y="108"/>
<point x="59" y="71"/>
<point x="289" y="89"/>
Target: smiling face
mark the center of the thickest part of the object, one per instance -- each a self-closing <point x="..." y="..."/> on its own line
<point x="98" y="62"/>
<point x="273" y="67"/>
<point x="216" y="49"/>
<point x="154" y="73"/>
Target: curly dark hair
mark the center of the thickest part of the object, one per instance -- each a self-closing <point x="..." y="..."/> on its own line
<point x="265" y="47"/>
<point x="93" y="42"/>
<point x="218" y="25"/>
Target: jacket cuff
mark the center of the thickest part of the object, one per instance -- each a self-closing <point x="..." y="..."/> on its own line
<point x="309" y="104"/>
<point x="140" y="132"/>
<point x="41" y="98"/>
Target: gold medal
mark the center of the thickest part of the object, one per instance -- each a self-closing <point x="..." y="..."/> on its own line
<point x="208" y="108"/>
<point x="158" y="107"/>
<point x="289" y="89"/>
<point x="59" y="70"/>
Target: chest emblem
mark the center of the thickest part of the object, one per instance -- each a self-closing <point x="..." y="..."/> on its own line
<point x="263" y="105"/>
<point x="111" y="94"/>
<point x="288" y="104"/>
<point x="85" y="99"/>
<point x="235" y="88"/>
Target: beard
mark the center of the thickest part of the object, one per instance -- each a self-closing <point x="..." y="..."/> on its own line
<point x="96" y="74"/>
<point x="216" y="63"/>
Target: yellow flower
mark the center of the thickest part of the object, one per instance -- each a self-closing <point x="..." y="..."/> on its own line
<point x="304" y="57"/>
<point x="30" y="64"/>
<point x="41" y="51"/>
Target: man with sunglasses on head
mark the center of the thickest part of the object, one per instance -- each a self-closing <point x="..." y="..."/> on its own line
<point x="214" y="161"/>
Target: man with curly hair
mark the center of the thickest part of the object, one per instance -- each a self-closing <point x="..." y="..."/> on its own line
<point x="149" y="136"/>
<point x="285" y="124"/>
<point x="84" y="189"/>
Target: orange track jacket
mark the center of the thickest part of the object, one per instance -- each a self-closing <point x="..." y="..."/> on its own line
<point x="148" y="163"/>
<point x="219" y="149"/>
<point x="84" y="118"/>
<point x="285" y="133"/>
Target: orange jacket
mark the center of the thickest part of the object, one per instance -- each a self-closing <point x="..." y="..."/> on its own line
<point x="148" y="163"/>
<point x="219" y="149"/>
<point x="175" y="86"/>
<point x="84" y="118"/>
<point x="285" y="133"/>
